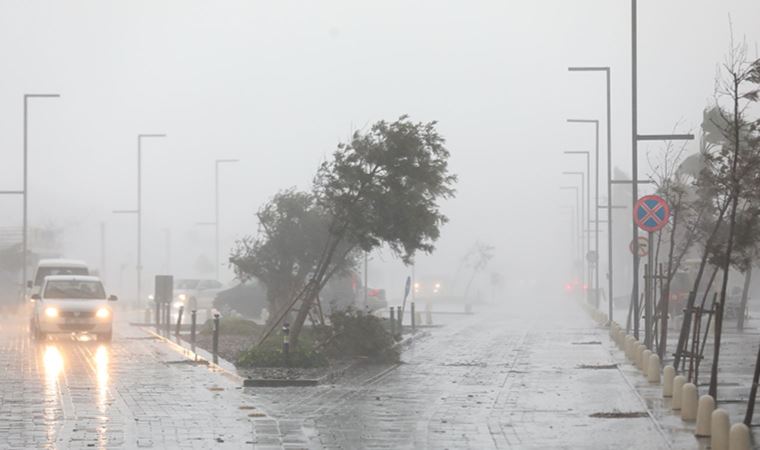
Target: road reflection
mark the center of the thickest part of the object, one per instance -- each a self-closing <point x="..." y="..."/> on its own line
<point x="53" y="363"/>
<point x="76" y="362"/>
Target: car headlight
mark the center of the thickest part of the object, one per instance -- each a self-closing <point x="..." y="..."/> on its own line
<point x="178" y="304"/>
<point x="51" y="312"/>
<point x="150" y="297"/>
<point x="103" y="313"/>
<point x="182" y="297"/>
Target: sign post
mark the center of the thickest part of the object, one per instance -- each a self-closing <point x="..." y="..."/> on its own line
<point x="407" y="289"/>
<point x="651" y="214"/>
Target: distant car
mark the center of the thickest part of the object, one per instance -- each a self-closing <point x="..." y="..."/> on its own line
<point x="48" y="267"/>
<point x="69" y="304"/>
<point x="196" y="294"/>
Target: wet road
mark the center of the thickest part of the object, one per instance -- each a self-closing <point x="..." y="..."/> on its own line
<point x="527" y="377"/>
<point x="133" y="393"/>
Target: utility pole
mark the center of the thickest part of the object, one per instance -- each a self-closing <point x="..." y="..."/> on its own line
<point x="606" y="71"/>
<point x="138" y="212"/>
<point x="635" y="138"/>
<point x="25" y="190"/>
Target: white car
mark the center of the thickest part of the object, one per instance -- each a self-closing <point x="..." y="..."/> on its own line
<point x="195" y="294"/>
<point x="48" y="267"/>
<point x="69" y="304"/>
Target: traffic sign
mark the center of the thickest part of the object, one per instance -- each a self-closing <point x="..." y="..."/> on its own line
<point x="651" y="213"/>
<point x="642" y="246"/>
<point x="592" y="256"/>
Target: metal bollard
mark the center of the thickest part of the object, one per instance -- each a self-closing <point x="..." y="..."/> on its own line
<point x="286" y="343"/>
<point x="168" y="319"/>
<point x="158" y="317"/>
<point x="147" y="315"/>
<point x="193" y="318"/>
<point x="400" y="318"/>
<point x="179" y="321"/>
<point x="215" y="342"/>
<point x="428" y="313"/>
<point x="393" y="321"/>
<point x="414" y="324"/>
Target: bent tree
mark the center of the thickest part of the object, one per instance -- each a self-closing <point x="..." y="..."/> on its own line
<point x="381" y="189"/>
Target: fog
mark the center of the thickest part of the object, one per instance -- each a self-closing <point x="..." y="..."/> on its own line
<point x="278" y="84"/>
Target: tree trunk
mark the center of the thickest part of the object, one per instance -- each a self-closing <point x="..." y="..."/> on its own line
<point x="745" y="297"/>
<point x="686" y="325"/>
<point x="735" y="189"/>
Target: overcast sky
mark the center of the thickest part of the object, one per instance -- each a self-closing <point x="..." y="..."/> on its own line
<point x="277" y="84"/>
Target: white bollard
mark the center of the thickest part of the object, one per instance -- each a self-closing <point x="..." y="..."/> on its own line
<point x="653" y="369"/>
<point x="678" y="383"/>
<point x="640" y="355"/>
<point x="739" y="437"/>
<point x="719" y="429"/>
<point x="667" y="384"/>
<point x="645" y="361"/>
<point x="627" y="346"/>
<point x="689" y="401"/>
<point x="704" y="415"/>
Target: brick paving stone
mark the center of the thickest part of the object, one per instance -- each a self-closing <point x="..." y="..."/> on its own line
<point x="502" y="378"/>
<point x="67" y="394"/>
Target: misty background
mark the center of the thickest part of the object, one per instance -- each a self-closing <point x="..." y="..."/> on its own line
<point x="279" y="84"/>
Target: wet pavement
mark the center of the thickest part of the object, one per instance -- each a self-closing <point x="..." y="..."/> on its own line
<point x="134" y="393"/>
<point x="737" y="362"/>
<point x="530" y="375"/>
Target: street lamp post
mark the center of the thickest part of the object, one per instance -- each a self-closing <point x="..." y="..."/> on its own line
<point x="138" y="211"/>
<point x="215" y="223"/>
<point x="609" y="208"/>
<point x="25" y="190"/>
<point x="596" y="202"/>
<point x="586" y="230"/>
<point x="635" y="138"/>
<point x="216" y="209"/>
<point x="585" y="199"/>
<point x="579" y="216"/>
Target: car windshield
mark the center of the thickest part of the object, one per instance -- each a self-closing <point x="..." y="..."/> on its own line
<point x="74" y="289"/>
<point x="43" y="272"/>
<point x="186" y="284"/>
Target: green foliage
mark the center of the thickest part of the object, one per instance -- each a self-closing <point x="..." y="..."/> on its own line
<point x="384" y="187"/>
<point x="358" y="334"/>
<point x="231" y="326"/>
<point x="288" y="246"/>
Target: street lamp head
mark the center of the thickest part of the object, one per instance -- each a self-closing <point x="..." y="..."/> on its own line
<point x="589" y="69"/>
<point x="596" y="121"/>
<point x="573" y="173"/>
<point x="140" y="136"/>
<point x="576" y="152"/>
<point x="218" y="161"/>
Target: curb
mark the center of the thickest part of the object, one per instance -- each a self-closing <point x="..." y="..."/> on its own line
<point x="277" y="382"/>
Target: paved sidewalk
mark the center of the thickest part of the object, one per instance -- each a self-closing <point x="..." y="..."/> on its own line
<point x="531" y="375"/>
<point x="135" y="393"/>
<point x="739" y="350"/>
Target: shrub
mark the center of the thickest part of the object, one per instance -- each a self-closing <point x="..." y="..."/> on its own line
<point x="358" y="334"/>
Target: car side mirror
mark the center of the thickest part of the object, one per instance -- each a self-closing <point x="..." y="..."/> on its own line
<point x="112" y="298"/>
<point x="36" y="297"/>
<point x="29" y="284"/>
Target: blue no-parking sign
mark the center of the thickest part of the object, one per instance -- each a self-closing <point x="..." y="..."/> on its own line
<point x="651" y="213"/>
